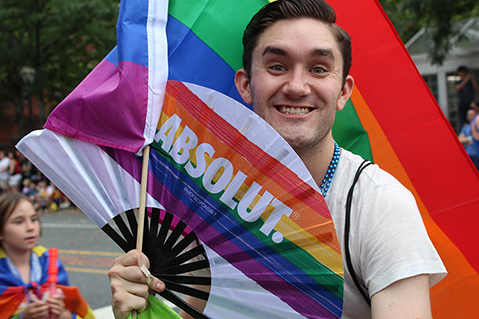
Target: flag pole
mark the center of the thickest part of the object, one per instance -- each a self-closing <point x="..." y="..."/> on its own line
<point x="141" y="215"/>
<point x="144" y="182"/>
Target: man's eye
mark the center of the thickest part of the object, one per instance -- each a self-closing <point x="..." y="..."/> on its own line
<point x="318" y="70"/>
<point x="277" y="67"/>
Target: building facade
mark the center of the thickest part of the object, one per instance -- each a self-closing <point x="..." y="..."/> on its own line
<point x="441" y="78"/>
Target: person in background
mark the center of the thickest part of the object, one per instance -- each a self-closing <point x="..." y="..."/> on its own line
<point x="22" y="262"/>
<point x="4" y="167"/>
<point x="30" y="189"/>
<point x="475" y="106"/>
<point x="465" y="137"/>
<point x="465" y="91"/>
<point x="48" y="196"/>
<point x="475" y="133"/>
<point x="15" y="172"/>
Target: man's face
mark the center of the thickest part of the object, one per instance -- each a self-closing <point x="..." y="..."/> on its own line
<point x="462" y="74"/>
<point x="296" y="81"/>
<point x="471" y="114"/>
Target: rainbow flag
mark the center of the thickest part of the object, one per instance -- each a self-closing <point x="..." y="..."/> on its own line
<point x="410" y="138"/>
<point x="12" y="289"/>
<point x="118" y="104"/>
<point x="392" y="118"/>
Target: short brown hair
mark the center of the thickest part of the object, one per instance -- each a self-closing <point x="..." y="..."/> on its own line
<point x="294" y="9"/>
<point x="8" y="203"/>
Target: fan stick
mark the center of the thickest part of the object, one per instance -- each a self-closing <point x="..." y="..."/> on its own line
<point x="144" y="183"/>
<point x="141" y="215"/>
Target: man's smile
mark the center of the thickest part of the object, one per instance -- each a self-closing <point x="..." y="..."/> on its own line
<point x="294" y="110"/>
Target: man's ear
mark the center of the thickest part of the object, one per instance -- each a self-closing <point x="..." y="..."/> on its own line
<point x="345" y="92"/>
<point x="242" y="85"/>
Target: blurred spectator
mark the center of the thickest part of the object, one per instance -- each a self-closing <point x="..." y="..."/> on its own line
<point x="48" y="196"/>
<point x="30" y="190"/>
<point x="465" y="137"/>
<point x="15" y="172"/>
<point x="465" y="89"/>
<point x="475" y="106"/>
<point x="4" y="166"/>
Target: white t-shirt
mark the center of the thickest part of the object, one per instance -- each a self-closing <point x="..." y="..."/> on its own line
<point x="388" y="240"/>
<point x="4" y="163"/>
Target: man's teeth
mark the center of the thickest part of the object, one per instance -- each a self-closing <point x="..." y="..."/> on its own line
<point x="294" y="110"/>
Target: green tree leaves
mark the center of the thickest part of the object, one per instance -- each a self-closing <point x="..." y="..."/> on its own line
<point x="409" y="16"/>
<point x="62" y="39"/>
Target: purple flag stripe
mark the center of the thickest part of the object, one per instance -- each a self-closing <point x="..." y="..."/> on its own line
<point x="97" y="108"/>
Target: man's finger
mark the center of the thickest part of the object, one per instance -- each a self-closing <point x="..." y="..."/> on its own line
<point x="132" y="258"/>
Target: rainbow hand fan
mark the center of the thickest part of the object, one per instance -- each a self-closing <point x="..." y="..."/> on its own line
<point x="270" y="242"/>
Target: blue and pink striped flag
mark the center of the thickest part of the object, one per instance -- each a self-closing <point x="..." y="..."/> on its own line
<point x="118" y="104"/>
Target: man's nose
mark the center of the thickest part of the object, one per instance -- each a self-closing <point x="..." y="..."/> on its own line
<point x="297" y="84"/>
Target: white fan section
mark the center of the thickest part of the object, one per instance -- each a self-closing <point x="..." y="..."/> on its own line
<point x="247" y="299"/>
<point x="84" y="173"/>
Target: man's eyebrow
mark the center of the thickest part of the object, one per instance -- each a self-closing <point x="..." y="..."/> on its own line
<point x="315" y="53"/>
<point x="324" y="52"/>
<point x="274" y="50"/>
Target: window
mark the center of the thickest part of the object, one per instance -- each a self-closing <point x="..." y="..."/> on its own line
<point x="431" y="81"/>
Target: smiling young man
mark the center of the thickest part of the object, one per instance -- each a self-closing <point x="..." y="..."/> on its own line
<point x="296" y="74"/>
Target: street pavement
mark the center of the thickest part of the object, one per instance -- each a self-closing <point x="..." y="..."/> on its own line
<point x="85" y="251"/>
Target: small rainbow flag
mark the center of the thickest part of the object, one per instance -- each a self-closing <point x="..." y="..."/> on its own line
<point x="13" y="290"/>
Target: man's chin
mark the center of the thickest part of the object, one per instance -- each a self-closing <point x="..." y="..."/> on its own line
<point x="298" y="142"/>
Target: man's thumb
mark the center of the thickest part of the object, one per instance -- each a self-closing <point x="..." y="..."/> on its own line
<point x="156" y="284"/>
<point x="153" y="283"/>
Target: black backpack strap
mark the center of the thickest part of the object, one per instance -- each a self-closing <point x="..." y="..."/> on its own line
<point x="347" y="226"/>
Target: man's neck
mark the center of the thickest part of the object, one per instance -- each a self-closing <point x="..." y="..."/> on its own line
<point x="317" y="159"/>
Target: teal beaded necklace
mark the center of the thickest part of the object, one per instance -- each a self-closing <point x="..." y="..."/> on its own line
<point x="331" y="169"/>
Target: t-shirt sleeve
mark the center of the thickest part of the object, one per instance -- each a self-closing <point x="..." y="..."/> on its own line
<point x="394" y="242"/>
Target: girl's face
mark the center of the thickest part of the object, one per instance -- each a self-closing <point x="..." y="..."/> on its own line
<point x="22" y="229"/>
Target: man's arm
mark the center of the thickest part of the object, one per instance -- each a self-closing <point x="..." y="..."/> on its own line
<point x="406" y="298"/>
<point x="4" y="168"/>
<point x="474" y="83"/>
<point x="464" y="139"/>
<point x="461" y="84"/>
<point x="474" y="132"/>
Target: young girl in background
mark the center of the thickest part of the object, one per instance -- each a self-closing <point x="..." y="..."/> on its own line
<point x="24" y="265"/>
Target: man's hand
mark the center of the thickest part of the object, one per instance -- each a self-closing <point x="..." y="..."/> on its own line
<point x="406" y="298"/>
<point x="129" y="285"/>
